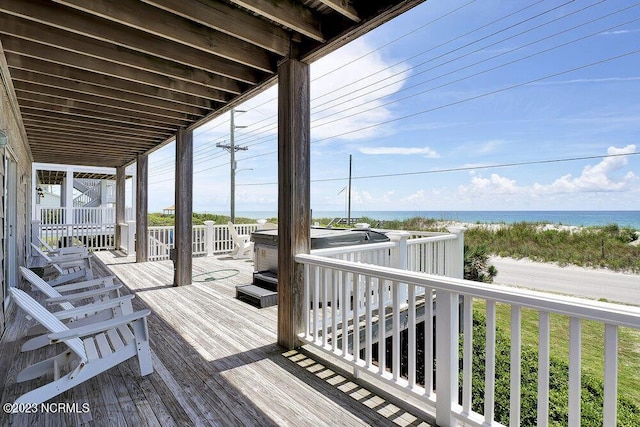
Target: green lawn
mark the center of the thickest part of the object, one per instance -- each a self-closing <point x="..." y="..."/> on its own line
<point x="592" y="346"/>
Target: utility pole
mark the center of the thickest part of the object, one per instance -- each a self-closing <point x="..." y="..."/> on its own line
<point x="232" y="148"/>
<point x="349" y="194"/>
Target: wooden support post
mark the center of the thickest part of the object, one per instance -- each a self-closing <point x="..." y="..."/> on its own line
<point x="142" y="203"/>
<point x="294" y="210"/>
<point x="184" y="208"/>
<point x="66" y="199"/>
<point x="120" y="204"/>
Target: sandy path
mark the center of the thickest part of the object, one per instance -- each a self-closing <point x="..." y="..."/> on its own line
<point x="577" y="281"/>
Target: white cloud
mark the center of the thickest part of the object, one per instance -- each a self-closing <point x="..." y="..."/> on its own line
<point x="496" y="184"/>
<point x="602" y="177"/>
<point x="426" y="151"/>
<point x="491" y="146"/>
<point x="618" y="32"/>
<point x="599" y="177"/>
<point x="348" y="102"/>
<point x="417" y="198"/>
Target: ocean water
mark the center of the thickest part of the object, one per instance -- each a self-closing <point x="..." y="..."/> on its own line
<point x="580" y="218"/>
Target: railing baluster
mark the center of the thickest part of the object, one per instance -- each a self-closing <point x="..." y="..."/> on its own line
<point x="429" y="338"/>
<point x="515" y="365"/>
<point x="307" y="284"/>
<point x="575" y="370"/>
<point x="368" y="327"/>
<point x="315" y="302"/>
<point x="382" y="361"/>
<point x="356" y="317"/>
<point x="543" y="368"/>
<point x="490" y="363"/>
<point x="325" y="288"/>
<point x="411" y="333"/>
<point x="467" y="354"/>
<point x="609" y="416"/>
<point x="344" y="303"/>
<point x="334" y="311"/>
<point x="395" y="338"/>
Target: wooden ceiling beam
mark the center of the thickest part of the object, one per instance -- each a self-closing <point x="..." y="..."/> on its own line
<point x="76" y="140"/>
<point x="130" y="88"/>
<point x="94" y="28"/>
<point x="343" y="7"/>
<point x="289" y="13"/>
<point x="79" y="159"/>
<point x="55" y="117"/>
<point x="52" y="85"/>
<point x="22" y="29"/>
<point x="100" y="66"/>
<point x="27" y="106"/>
<point x="94" y="150"/>
<point x="152" y="20"/>
<point x="26" y="88"/>
<point x="80" y="107"/>
<point x="230" y="20"/>
<point x="61" y="129"/>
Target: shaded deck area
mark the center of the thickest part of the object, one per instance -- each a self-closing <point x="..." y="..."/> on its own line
<point x="215" y="361"/>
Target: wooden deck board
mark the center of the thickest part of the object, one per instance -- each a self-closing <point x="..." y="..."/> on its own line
<point x="216" y="362"/>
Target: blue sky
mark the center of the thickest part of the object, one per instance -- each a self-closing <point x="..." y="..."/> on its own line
<point x="462" y="85"/>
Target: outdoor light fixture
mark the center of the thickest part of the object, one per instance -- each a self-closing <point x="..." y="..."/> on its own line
<point x="3" y="138"/>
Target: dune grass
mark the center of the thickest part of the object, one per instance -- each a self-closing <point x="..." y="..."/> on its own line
<point x="603" y="247"/>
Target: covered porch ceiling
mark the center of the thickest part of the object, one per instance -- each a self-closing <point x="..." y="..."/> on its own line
<point x="100" y="82"/>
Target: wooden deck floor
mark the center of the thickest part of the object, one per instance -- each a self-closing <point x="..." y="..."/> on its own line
<point x="215" y="363"/>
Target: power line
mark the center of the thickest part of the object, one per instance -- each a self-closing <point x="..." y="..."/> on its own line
<point x="500" y="31"/>
<point x="248" y="138"/>
<point x="259" y="140"/>
<point x="360" y="111"/>
<point x="518" y="85"/>
<point x="464" y="168"/>
<point x="256" y="131"/>
<point x="398" y="38"/>
<point x="472" y="98"/>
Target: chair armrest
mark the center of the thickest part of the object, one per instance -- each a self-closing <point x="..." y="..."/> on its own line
<point x="85" y="284"/>
<point x="58" y="259"/>
<point x="92" y="308"/>
<point x="71" y="250"/>
<point x="95" y="328"/>
<point x="59" y="265"/>
<point x="83" y="295"/>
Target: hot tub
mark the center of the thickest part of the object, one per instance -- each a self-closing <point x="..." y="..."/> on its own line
<point x="266" y="246"/>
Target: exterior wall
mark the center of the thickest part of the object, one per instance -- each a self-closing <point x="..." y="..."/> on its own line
<point x="18" y="150"/>
<point x="49" y="200"/>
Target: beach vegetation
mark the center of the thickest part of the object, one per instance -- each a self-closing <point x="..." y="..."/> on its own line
<point x="592" y="381"/>
<point x="476" y="264"/>
<point x="595" y="247"/>
<point x="158" y="219"/>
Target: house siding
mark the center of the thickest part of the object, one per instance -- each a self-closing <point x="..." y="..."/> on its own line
<point x="18" y="150"/>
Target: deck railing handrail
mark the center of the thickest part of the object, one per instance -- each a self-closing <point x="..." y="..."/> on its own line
<point x="332" y="328"/>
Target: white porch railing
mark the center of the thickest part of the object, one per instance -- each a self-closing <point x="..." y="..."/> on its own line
<point x="383" y="310"/>
<point x="75" y="215"/>
<point x="93" y="236"/>
<point x="208" y="239"/>
<point x="128" y="237"/>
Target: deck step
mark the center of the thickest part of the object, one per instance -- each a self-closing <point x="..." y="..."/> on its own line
<point x="266" y="279"/>
<point x="256" y="295"/>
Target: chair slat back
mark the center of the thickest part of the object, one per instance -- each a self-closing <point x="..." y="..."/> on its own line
<point x="43" y="286"/>
<point x="46" y="319"/>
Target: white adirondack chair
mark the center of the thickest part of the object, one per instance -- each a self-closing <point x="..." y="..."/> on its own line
<point x="106" y="345"/>
<point x="102" y="309"/>
<point x="69" y="250"/>
<point x="65" y="268"/>
<point x="242" y="245"/>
